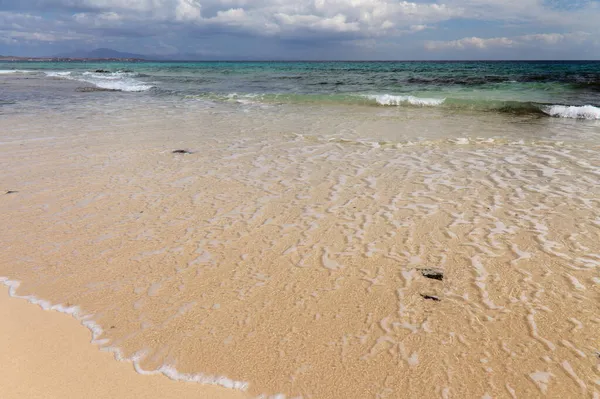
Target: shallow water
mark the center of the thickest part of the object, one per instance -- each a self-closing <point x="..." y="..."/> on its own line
<point x="289" y="252"/>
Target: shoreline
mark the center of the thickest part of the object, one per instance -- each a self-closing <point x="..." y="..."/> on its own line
<point x="43" y="351"/>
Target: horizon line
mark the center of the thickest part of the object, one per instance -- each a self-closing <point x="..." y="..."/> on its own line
<point x="135" y="59"/>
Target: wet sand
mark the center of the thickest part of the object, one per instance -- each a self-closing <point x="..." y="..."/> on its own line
<point x="47" y="354"/>
<point x="289" y="253"/>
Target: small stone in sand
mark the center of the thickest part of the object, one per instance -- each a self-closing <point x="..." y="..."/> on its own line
<point x="181" y="152"/>
<point x="431" y="297"/>
<point x="11" y="192"/>
<point x="433" y="274"/>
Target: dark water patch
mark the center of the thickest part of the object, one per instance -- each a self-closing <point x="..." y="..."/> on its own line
<point x="520" y="108"/>
<point x="93" y="89"/>
<point x="455" y="80"/>
<point x="578" y="80"/>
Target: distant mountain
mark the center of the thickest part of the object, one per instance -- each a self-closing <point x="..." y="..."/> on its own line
<point x="103" y="53"/>
<point x="106" y="53"/>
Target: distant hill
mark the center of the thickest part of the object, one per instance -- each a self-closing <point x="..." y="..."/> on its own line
<point x="106" y="54"/>
<point x="103" y="53"/>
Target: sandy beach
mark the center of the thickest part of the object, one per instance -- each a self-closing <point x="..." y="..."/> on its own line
<point x="47" y="355"/>
<point x="289" y="252"/>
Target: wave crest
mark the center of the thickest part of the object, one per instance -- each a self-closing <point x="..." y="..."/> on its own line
<point x="388" y="99"/>
<point x="55" y="74"/>
<point x="564" y="111"/>
<point x="120" y="81"/>
<point x="12" y="71"/>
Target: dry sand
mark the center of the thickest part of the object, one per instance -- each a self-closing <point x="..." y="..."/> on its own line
<point x="47" y="354"/>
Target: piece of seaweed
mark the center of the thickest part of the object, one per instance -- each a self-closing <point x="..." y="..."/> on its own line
<point x="431" y="297"/>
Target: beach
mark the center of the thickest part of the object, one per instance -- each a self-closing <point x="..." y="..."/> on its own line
<point x="48" y="355"/>
<point x="297" y="249"/>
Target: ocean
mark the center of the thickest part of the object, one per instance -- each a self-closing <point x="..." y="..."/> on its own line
<point x="559" y="89"/>
<point x="314" y="229"/>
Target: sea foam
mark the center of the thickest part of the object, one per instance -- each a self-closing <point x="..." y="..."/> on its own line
<point x="584" y="112"/>
<point x="11" y="71"/>
<point x="388" y="99"/>
<point x="114" y="81"/>
<point x="122" y="81"/>
<point x="55" y="74"/>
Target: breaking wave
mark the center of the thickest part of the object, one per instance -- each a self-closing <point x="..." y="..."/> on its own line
<point x="388" y="99"/>
<point x="55" y="74"/>
<point x="12" y="71"/>
<point x="563" y="111"/>
<point x="120" y="80"/>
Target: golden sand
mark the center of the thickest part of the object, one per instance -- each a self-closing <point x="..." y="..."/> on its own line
<point x="48" y="355"/>
<point x="297" y="263"/>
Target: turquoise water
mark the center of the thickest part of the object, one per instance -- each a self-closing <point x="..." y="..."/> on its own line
<point x="560" y="89"/>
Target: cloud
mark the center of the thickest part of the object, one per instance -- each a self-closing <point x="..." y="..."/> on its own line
<point x="505" y="42"/>
<point x="365" y="17"/>
<point x="556" y="38"/>
<point x="379" y="27"/>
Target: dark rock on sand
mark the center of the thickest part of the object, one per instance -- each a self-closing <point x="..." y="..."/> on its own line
<point x="181" y="152"/>
<point x="433" y="274"/>
<point x="431" y="297"/>
<point x="11" y="192"/>
<point x="92" y="89"/>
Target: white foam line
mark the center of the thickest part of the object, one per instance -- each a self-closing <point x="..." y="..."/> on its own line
<point x="58" y="74"/>
<point x="571" y="373"/>
<point x="534" y="331"/>
<point x="388" y="99"/>
<point x="111" y="81"/>
<point x="480" y="282"/>
<point x="86" y="320"/>
<point x="12" y="71"/>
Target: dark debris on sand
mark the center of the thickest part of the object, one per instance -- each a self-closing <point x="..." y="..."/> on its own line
<point x="431" y="297"/>
<point x="181" y="152"/>
<point x="433" y="274"/>
<point x="11" y="192"/>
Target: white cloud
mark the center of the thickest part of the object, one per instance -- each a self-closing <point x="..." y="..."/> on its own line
<point x="361" y="18"/>
<point x="556" y="38"/>
<point x="378" y="23"/>
<point x="418" y="28"/>
<point x="187" y="10"/>
<point x="48" y="37"/>
<point x="469" y="43"/>
<point x="499" y="42"/>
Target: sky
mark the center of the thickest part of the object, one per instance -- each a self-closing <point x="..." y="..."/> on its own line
<point x="306" y="29"/>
